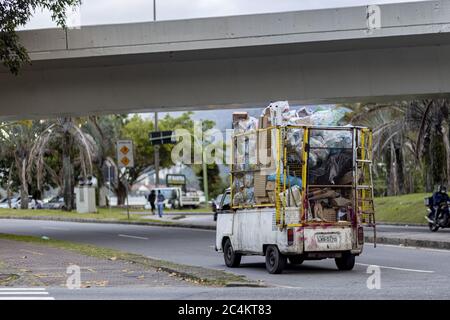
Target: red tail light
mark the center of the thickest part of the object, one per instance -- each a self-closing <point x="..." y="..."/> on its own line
<point x="360" y="235"/>
<point x="290" y="236"/>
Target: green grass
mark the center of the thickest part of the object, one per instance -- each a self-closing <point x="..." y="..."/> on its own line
<point x="408" y="208"/>
<point x="194" y="274"/>
<point x="114" y="214"/>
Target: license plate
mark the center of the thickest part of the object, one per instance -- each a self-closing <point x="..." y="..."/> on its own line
<point x="327" y="238"/>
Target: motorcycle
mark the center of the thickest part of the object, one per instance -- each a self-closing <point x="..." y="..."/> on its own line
<point x="437" y="217"/>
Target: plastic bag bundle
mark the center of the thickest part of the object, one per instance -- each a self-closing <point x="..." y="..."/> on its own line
<point x="249" y="196"/>
<point x="337" y="139"/>
<point x="328" y="117"/>
<point x="290" y="180"/>
<point x="248" y="180"/>
<point x="238" y="183"/>
<point x="279" y="113"/>
<point x="339" y="164"/>
<point x="246" y="125"/>
<point x="317" y="156"/>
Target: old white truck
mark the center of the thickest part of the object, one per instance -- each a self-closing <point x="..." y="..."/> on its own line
<point x="310" y="203"/>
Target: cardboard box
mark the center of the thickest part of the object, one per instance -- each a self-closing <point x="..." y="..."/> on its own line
<point x="264" y="147"/>
<point x="264" y="122"/>
<point x="238" y="116"/>
<point x="260" y="184"/>
<point x="262" y="200"/>
<point x="329" y="214"/>
<point x="271" y="195"/>
<point x="346" y="178"/>
<point x="270" y="186"/>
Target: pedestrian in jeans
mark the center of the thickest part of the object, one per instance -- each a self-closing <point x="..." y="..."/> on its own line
<point x="160" y="202"/>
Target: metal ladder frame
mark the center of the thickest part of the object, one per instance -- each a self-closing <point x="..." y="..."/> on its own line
<point x="365" y="160"/>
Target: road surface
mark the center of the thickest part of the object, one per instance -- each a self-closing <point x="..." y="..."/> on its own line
<point x="406" y="273"/>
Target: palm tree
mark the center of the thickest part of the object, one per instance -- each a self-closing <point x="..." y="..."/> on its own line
<point x="16" y="140"/>
<point x="404" y="136"/>
<point x="390" y="139"/>
<point x="68" y="134"/>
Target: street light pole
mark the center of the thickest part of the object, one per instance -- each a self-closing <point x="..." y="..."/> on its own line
<point x="205" y="175"/>
<point x="156" y="123"/>
<point x="156" y="154"/>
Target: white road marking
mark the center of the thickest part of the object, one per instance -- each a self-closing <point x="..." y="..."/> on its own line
<point x="24" y="294"/>
<point x="27" y="298"/>
<point x="22" y="289"/>
<point x="133" y="237"/>
<point x="55" y="228"/>
<point x="396" y="268"/>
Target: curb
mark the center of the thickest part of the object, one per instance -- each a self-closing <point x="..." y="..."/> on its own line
<point x="245" y="285"/>
<point x="433" y="244"/>
<point x="401" y="224"/>
<point x="136" y="223"/>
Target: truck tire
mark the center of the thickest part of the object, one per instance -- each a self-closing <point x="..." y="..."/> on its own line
<point x="232" y="258"/>
<point x="275" y="260"/>
<point x="346" y="262"/>
<point x="296" y="260"/>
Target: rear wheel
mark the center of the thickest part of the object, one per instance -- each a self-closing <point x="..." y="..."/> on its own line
<point x="297" y="260"/>
<point x="232" y="259"/>
<point x="433" y="227"/>
<point x="346" y="262"/>
<point x="275" y="261"/>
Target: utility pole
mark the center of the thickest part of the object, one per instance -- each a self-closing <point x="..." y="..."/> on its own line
<point x="205" y="176"/>
<point x="156" y="123"/>
<point x="156" y="154"/>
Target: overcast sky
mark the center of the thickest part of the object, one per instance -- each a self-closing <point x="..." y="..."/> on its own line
<point x="123" y="11"/>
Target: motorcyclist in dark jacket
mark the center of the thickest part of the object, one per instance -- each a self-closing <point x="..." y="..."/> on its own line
<point x="439" y="197"/>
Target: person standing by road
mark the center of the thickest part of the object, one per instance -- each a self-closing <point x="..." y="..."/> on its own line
<point x="160" y="200"/>
<point x="152" y="199"/>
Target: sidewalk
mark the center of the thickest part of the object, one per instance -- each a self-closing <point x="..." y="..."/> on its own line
<point x="411" y="236"/>
<point x="205" y="221"/>
<point x="31" y="265"/>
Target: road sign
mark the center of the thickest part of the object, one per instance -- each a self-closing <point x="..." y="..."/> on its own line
<point x="175" y="179"/>
<point x="161" y="137"/>
<point x="125" y="157"/>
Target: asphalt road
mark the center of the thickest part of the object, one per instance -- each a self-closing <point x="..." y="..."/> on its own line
<point x="406" y="273"/>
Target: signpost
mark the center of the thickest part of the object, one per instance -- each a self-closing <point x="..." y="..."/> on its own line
<point x="161" y="137"/>
<point x="125" y="159"/>
<point x="125" y="154"/>
<point x="158" y="138"/>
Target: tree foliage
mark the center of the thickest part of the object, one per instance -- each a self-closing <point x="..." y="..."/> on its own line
<point x="16" y="13"/>
<point x="411" y="142"/>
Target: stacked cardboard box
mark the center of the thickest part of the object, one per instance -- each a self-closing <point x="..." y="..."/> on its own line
<point x="261" y="196"/>
<point x="239" y="116"/>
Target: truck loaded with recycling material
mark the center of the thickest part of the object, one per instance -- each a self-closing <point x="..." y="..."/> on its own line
<point x="301" y="188"/>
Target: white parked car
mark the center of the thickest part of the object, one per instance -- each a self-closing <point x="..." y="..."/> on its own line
<point x="32" y="204"/>
<point x="5" y="205"/>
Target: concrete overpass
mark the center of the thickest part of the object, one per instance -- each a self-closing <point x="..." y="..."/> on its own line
<point x="307" y="56"/>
